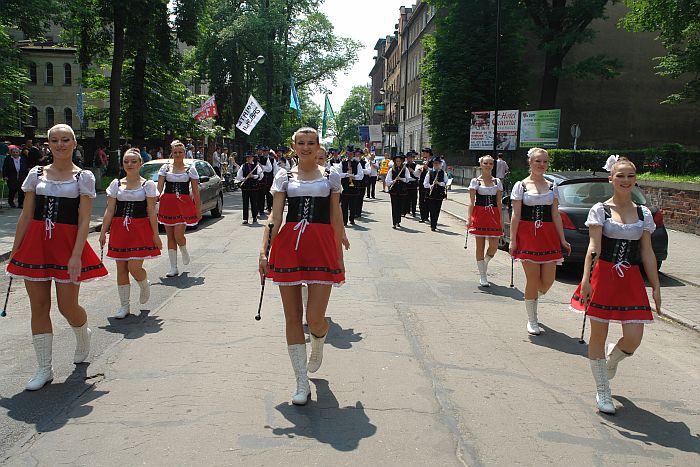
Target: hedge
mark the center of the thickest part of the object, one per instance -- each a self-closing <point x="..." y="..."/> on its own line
<point x="670" y="158"/>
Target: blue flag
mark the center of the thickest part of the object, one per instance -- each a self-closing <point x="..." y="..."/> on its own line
<point x="293" y="98"/>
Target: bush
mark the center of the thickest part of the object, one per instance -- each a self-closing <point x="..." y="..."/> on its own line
<point x="667" y="158"/>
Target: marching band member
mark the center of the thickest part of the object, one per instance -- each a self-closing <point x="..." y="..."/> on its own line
<point x="250" y="175"/>
<point x="269" y="167"/>
<point x="396" y="180"/>
<point x="130" y="218"/>
<point x="361" y="181"/>
<point x="307" y="249"/>
<point x="536" y="232"/>
<point x="426" y="154"/>
<point x="412" y="186"/>
<point x="435" y="182"/>
<point x="51" y="245"/>
<point x="484" y="215"/>
<point x="348" y="173"/>
<point x="373" y="172"/>
<point x="621" y="231"/>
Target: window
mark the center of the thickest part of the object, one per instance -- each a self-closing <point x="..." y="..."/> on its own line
<point x="67" y="74"/>
<point x="68" y="116"/>
<point x="32" y="72"/>
<point x="49" y="73"/>
<point x="33" y="116"/>
<point x="49" y="117"/>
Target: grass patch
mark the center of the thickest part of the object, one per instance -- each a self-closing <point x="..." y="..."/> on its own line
<point x="661" y="177"/>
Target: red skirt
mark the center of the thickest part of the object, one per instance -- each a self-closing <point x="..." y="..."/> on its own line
<point x="176" y="211"/>
<point x="133" y="241"/>
<point x="314" y="261"/>
<point x="486" y="222"/>
<point x="618" y="295"/>
<point x="42" y="258"/>
<point x="540" y="245"/>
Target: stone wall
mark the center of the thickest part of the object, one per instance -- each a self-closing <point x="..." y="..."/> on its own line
<point x="680" y="203"/>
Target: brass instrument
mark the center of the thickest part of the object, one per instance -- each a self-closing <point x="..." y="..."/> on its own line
<point x="351" y="183"/>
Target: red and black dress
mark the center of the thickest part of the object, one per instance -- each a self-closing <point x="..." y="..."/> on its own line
<point x="486" y="217"/>
<point x="176" y="206"/>
<point x="537" y="239"/>
<point x="131" y="233"/>
<point x="618" y="287"/>
<point x="305" y="250"/>
<point x="50" y="238"/>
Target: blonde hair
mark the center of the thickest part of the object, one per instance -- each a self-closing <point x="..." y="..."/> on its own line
<point x="622" y="160"/>
<point x="61" y="126"/>
<point x="483" y="158"/>
<point x="307" y="130"/>
<point x="177" y="142"/>
<point x="132" y="152"/>
<point x="532" y="153"/>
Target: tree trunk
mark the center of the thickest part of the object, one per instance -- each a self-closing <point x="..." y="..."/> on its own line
<point x="115" y="86"/>
<point x="138" y="98"/>
<point x="550" y="80"/>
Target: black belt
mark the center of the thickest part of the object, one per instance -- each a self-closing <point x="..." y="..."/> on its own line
<point x="538" y="212"/>
<point x="316" y="210"/>
<point x="177" y="187"/>
<point x="57" y="209"/>
<point x="133" y="209"/>
<point x="485" y="200"/>
<point x="616" y="250"/>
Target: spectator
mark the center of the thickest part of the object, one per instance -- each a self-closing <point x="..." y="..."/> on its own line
<point x="502" y="168"/>
<point x="216" y="161"/>
<point x="78" y="158"/>
<point x="4" y="151"/>
<point x="33" y="154"/>
<point x="14" y="171"/>
<point x="159" y="153"/>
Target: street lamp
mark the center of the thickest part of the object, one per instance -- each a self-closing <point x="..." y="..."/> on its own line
<point x="259" y="60"/>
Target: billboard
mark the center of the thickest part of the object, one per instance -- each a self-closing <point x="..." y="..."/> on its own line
<point x="540" y="128"/>
<point x="375" y="132"/>
<point x="481" y="130"/>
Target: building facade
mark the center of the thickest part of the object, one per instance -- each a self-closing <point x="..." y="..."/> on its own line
<point x="377" y="83"/>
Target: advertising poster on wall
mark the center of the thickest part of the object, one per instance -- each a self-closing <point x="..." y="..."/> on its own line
<point x="481" y="131"/>
<point x="540" y="128"/>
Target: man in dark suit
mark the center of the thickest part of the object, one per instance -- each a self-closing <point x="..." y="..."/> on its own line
<point x="14" y="171"/>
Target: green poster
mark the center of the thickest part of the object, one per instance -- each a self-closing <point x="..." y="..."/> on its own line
<point x="539" y="128"/>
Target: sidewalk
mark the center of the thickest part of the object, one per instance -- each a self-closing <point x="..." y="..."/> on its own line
<point x="679" y="271"/>
<point x="9" y="217"/>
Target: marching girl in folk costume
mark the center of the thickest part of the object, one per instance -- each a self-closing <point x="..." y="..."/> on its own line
<point x="484" y="215"/>
<point x="250" y="176"/>
<point x="620" y="234"/>
<point x="131" y="220"/>
<point x="536" y="233"/>
<point x="307" y="249"/>
<point x="51" y="245"/>
<point x="435" y="182"/>
<point x="397" y="179"/>
<point x="177" y="208"/>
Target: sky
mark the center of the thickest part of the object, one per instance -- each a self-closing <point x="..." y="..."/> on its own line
<point x="365" y="21"/>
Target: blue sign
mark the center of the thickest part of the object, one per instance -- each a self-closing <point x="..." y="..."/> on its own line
<point x="364" y="132"/>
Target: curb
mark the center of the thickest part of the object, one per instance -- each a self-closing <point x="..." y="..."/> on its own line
<point x="93" y="228"/>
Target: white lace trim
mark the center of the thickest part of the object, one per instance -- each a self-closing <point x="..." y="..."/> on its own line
<point x="62" y="281"/>
<point x="558" y="261"/>
<point x="178" y="223"/>
<point x="132" y="258"/>
<point x="622" y="321"/>
<point x="334" y="284"/>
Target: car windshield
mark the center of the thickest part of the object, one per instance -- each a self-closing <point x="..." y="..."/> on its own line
<point x="586" y="194"/>
<point x="150" y="171"/>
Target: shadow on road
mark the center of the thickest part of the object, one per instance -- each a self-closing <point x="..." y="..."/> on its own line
<point x="324" y="420"/>
<point x="504" y="291"/>
<point x="183" y="281"/>
<point x="556" y="340"/>
<point x="341" y="338"/>
<point x="47" y="409"/>
<point x="635" y="423"/>
<point x="133" y="326"/>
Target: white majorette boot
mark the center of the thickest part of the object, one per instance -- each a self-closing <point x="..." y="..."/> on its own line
<point x="297" y="354"/>
<point x="316" y="356"/>
<point x="532" y="324"/>
<point x="603" y="395"/>
<point x="124" y="298"/>
<point x="185" y="255"/>
<point x="145" y="291"/>
<point x="615" y="356"/>
<point x="43" y="344"/>
<point x="483" y="279"/>
<point x="487" y="258"/>
<point x="82" y="343"/>
<point x="172" y="255"/>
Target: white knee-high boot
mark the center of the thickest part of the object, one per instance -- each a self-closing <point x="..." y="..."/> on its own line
<point x="603" y="395"/>
<point x="172" y="255"/>
<point x="144" y="291"/>
<point x="483" y="278"/>
<point x="532" y="324"/>
<point x="316" y="356"/>
<point x="43" y="344"/>
<point x="487" y="258"/>
<point x="185" y="255"/>
<point x="124" y="299"/>
<point x="82" y="343"/>
<point x="297" y="354"/>
<point x="615" y="356"/>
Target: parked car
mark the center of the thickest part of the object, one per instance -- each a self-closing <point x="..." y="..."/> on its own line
<point x="211" y="187"/>
<point x="578" y="192"/>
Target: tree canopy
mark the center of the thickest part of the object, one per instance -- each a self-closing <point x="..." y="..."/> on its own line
<point x="354" y="112"/>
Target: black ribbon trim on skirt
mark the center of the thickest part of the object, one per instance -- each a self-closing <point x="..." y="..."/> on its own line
<point x="537" y="253"/>
<point x="126" y="250"/>
<point x="177" y="217"/>
<point x="488" y="229"/>
<point x="53" y="266"/>
<point x="306" y="269"/>
<point x="579" y="299"/>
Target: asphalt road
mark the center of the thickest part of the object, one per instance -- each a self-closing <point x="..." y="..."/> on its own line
<point x="421" y="368"/>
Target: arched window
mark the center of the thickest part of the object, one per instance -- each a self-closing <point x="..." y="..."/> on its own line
<point x="49" y="73"/>
<point x="32" y="72"/>
<point x="67" y="74"/>
<point x="49" y="117"/>
<point x="33" y="116"/>
<point x="68" y="116"/>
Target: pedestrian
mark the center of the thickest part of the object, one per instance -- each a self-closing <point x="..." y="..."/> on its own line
<point x="373" y="172"/>
<point x="536" y="232"/>
<point x="501" y="168"/>
<point x="484" y="215"/>
<point x="132" y="223"/>
<point x="159" y="152"/>
<point x="250" y="176"/>
<point x="620" y="233"/>
<point x="397" y="179"/>
<point x="177" y="207"/>
<point x="51" y="245"/>
<point x="422" y="173"/>
<point x="436" y="184"/>
<point x="4" y="152"/>
<point x="384" y="167"/>
<point x="34" y="156"/>
<point x="15" y="171"/>
<point x="412" y="186"/>
<point x="216" y="161"/>
<point x="307" y="249"/>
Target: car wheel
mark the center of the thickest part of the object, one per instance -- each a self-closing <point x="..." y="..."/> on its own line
<point x="216" y="212"/>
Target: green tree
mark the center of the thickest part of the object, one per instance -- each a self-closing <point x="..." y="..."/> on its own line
<point x="354" y="112"/>
<point x="678" y="25"/>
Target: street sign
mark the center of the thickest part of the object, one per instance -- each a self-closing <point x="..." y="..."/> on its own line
<point x="575" y="133"/>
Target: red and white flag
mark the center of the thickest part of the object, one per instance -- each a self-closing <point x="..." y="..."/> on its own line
<point x="207" y="110"/>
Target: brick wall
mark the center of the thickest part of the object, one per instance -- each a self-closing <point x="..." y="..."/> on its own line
<point x="680" y="203"/>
